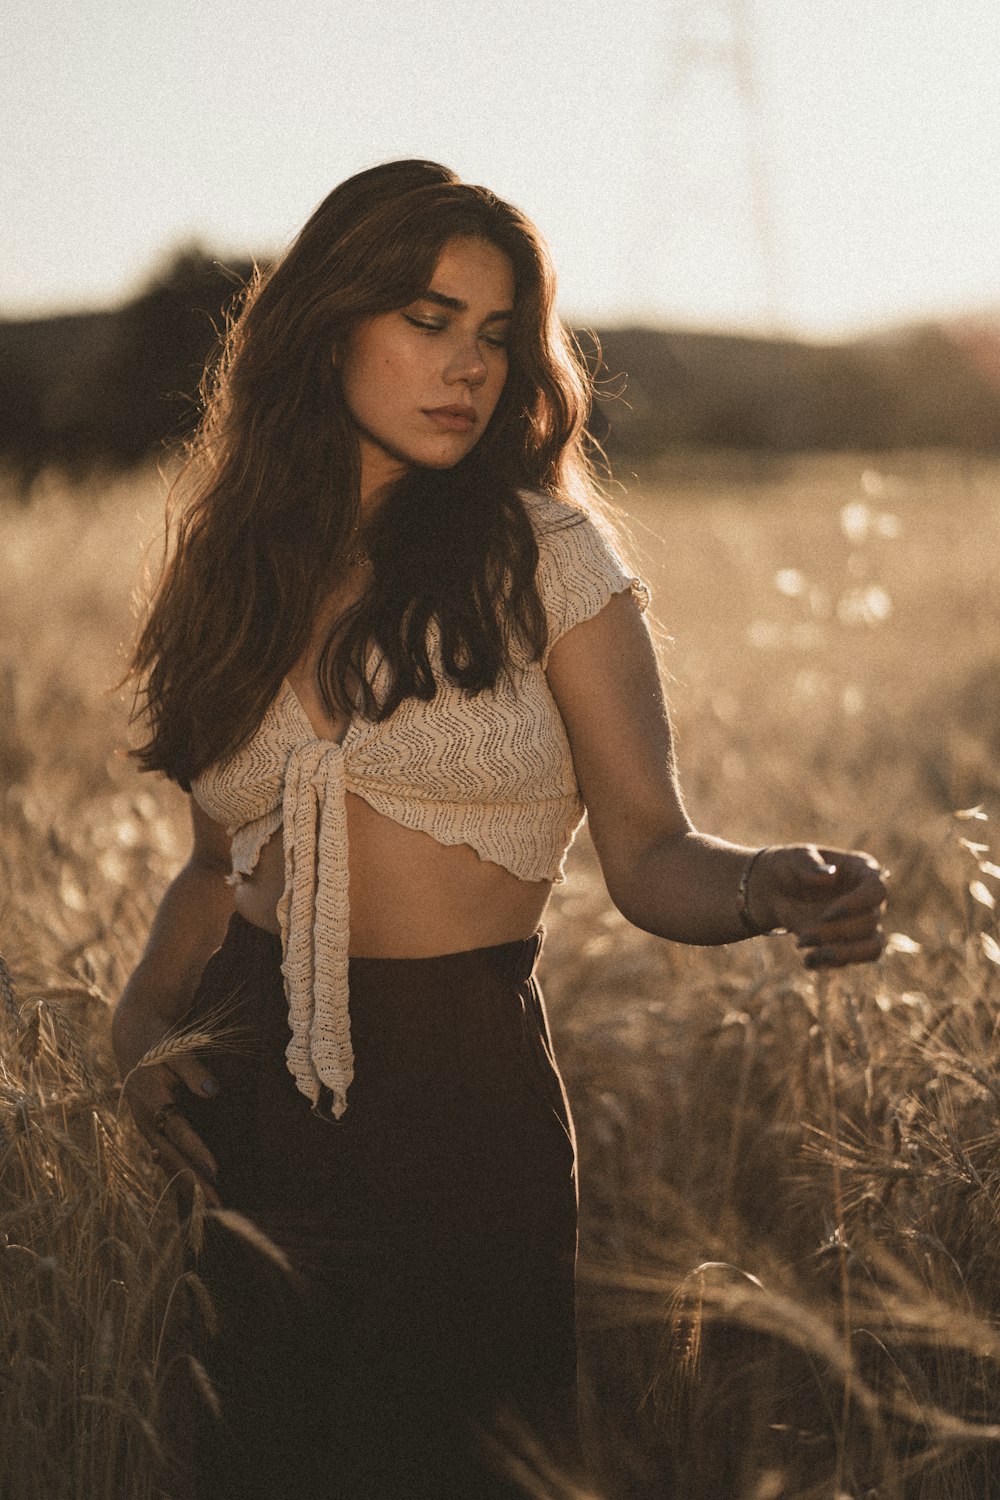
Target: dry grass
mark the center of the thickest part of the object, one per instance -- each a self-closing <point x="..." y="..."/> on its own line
<point x="790" y="1277"/>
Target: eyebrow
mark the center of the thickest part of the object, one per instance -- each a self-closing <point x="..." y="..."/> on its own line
<point x="455" y="304"/>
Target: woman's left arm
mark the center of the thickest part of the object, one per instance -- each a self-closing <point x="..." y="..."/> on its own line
<point x="662" y="874"/>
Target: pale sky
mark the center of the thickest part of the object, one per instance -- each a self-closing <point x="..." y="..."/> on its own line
<point x="126" y="130"/>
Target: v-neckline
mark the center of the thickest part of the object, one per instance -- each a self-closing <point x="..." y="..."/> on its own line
<point x="299" y="708"/>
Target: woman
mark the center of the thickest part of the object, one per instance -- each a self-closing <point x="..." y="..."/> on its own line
<point x="392" y="656"/>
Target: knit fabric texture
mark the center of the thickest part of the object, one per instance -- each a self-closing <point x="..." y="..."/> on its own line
<point x="491" y="770"/>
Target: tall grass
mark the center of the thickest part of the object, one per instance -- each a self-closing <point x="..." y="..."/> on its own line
<point x="790" y="1261"/>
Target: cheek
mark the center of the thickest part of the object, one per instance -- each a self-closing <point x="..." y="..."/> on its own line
<point x="374" y="380"/>
<point x="396" y="374"/>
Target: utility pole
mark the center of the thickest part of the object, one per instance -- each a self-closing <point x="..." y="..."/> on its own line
<point x="705" y="150"/>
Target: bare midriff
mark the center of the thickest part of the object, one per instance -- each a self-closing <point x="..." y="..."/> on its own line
<point x="410" y="897"/>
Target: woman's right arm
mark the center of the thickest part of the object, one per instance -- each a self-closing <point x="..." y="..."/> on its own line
<point x="189" y="926"/>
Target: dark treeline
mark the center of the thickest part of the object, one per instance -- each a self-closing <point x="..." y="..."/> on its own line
<point x="109" y="389"/>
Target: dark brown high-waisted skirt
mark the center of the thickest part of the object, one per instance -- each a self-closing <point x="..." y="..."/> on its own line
<point x="427" y="1303"/>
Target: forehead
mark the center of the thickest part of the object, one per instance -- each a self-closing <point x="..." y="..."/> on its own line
<point x="475" y="271"/>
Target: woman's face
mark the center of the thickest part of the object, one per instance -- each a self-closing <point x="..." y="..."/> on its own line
<point x="422" y="383"/>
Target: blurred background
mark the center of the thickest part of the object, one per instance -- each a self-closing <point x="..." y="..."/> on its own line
<point x="779" y="216"/>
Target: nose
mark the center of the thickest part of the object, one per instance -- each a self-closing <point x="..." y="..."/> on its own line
<point x="466" y="365"/>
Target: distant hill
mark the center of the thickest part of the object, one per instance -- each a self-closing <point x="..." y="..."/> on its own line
<point x="930" y="385"/>
<point x="111" y="388"/>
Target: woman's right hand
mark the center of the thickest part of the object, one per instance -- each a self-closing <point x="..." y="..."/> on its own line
<point x="154" y="1091"/>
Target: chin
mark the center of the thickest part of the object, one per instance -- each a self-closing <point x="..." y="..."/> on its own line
<point x="439" y="463"/>
<point x="444" y="459"/>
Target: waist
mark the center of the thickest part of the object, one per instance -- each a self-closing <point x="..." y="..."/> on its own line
<point x="409" y="895"/>
<point x="514" y="958"/>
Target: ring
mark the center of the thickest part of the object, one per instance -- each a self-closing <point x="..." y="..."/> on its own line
<point x="163" y="1115"/>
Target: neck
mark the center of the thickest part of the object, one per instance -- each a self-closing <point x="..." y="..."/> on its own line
<point x="378" y="470"/>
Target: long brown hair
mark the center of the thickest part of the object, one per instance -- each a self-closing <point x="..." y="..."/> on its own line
<point x="259" y="520"/>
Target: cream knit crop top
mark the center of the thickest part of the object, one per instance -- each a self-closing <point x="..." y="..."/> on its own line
<point x="493" y="771"/>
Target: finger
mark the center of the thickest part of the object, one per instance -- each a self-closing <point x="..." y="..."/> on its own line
<point x="853" y="866"/>
<point x="811" y="866"/>
<point x="193" y="1073"/>
<point x="841" y="930"/>
<point x="861" y="952"/>
<point x="147" y="1080"/>
<point x="180" y="1170"/>
<point x="161" y="1121"/>
<point x="146" y="1099"/>
<point x="186" y="1069"/>
<point x="178" y="1146"/>
<point x="870" y="894"/>
<point x="846" y="858"/>
<point x="181" y="1137"/>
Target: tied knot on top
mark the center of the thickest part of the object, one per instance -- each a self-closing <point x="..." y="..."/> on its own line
<point x="314" y="917"/>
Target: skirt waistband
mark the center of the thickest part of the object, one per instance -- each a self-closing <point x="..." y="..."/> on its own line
<point x="515" y="959"/>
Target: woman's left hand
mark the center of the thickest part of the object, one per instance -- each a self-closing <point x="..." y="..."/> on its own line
<point x="831" y="899"/>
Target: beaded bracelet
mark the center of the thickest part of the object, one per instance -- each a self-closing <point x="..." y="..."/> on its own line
<point x="742" y="909"/>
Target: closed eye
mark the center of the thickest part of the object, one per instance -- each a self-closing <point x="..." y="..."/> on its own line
<point x="494" y="342"/>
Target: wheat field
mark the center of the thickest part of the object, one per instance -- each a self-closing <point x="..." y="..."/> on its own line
<point x="790" y="1186"/>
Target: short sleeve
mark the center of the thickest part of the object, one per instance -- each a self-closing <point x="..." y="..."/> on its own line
<point x="578" y="567"/>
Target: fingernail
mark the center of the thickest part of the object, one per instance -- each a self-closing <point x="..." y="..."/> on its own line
<point x="209" y="1087"/>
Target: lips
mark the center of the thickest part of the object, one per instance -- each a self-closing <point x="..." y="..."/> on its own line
<point x="452" y="418"/>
